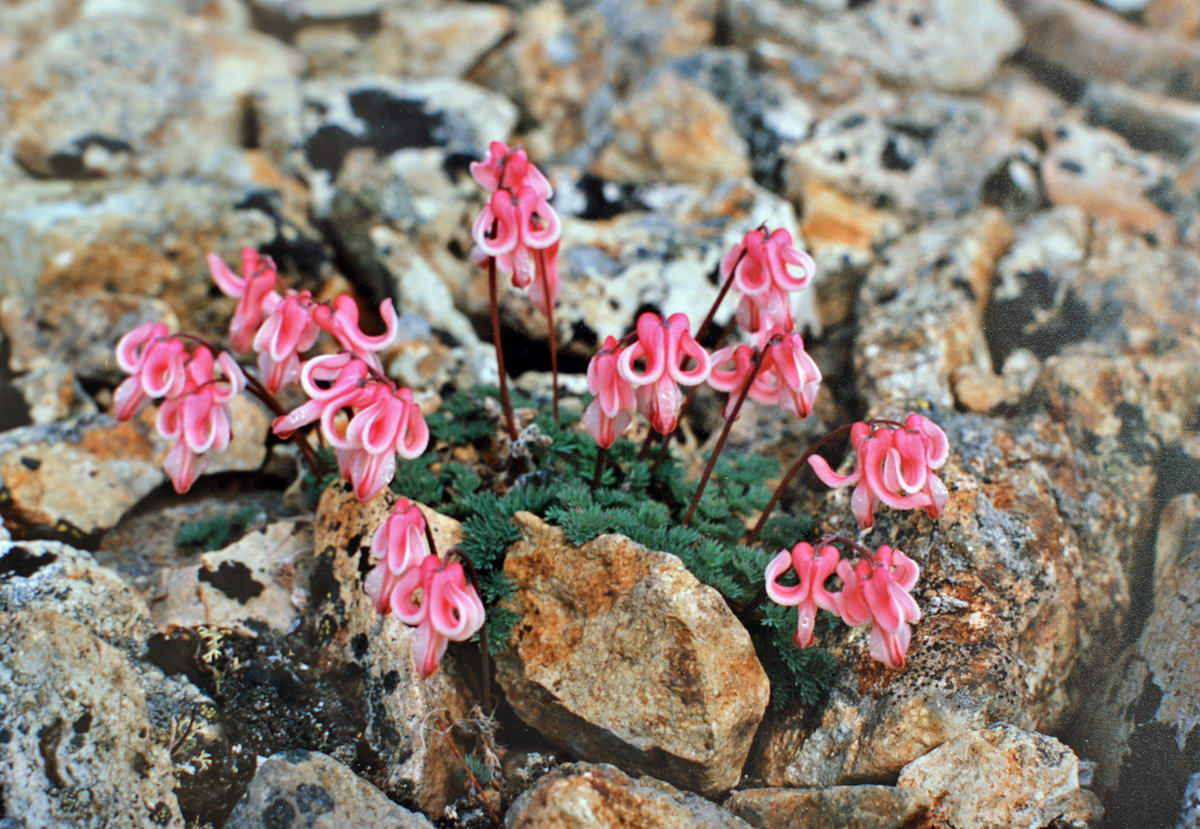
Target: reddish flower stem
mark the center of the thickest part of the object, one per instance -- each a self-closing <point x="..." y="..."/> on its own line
<point x="646" y="444"/>
<point x="553" y="335"/>
<point x="255" y="387"/>
<point x="849" y="542"/>
<point x="737" y="407"/>
<point x="601" y="458"/>
<point x="494" y="304"/>
<point x="712" y="311"/>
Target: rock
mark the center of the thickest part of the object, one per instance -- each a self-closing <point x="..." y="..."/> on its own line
<point x="309" y="10"/>
<point x="1098" y="172"/>
<point x="1176" y="16"/>
<point x="1013" y="600"/>
<point x="920" y="313"/>
<point x="446" y="41"/>
<point x="148" y="240"/>
<point x="114" y="95"/>
<point x="1139" y="723"/>
<point x="922" y="154"/>
<point x="1147" y="121"/>
<point x="838" y="807"/>
<point x="42" y="468"/>
<point x="596" y="622"/>
<point x="994" y="778"/>
<point x="404" y="713"/>
<point x="77" y="747"/>
<point x="52" y="392"/>
<point x="600" y="796"/>
<point x="1090" y="42"/>
<point x="321" y="791"/>
<point x="258" y="581"/>
<point x="674" y="130"/>
<point x="949" y="45"/>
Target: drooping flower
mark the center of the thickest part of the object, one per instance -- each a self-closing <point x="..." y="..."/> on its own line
<point x="788" y="377"/>
<point x="812" y="568"/>
<point x="766" y="268"/>
<point x="398" y="545"/>
<point x="611" y="410"/>
<point x="342" y="322"/>
<point x="894" y="464"/>
<point x="510" y="168"/>
<point x="771" y="309"/>
<point x="435" y="597"/>
<point x="878" y="592"/>
<point x="198" y="418"/>
<point x="288" y="330"/>
<point x="664" y="346"/>
<point x="156" y="364"/>
<point x="513" y="224"/>
<point x="254" y="289"/>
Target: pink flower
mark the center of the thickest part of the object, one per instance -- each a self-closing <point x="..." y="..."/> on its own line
<point x="788" y="376"/>
<point x="812" y="568"/>
<point x="436" y="598"/>
<point x="289" y="330"/>
<point x="509" y="168"/>
<point x="878" y="592"/>
<point x="610" y="412"/>
<point x="770" y="309"/>
<point x="511" y="225"/>
<point x="255" y="290"/>
<point x="893" y="465"/>
<point x="664" y="347"/>
<point x="198" y="419"/>
<point x="342" y="322"/>
<point x="400" y="540"/>
<point x="762" y="262"/>
<point x="156" y="363"/>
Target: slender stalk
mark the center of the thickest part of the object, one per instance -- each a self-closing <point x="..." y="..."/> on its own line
<point x="484" y="658"/>
<point x="447" y="729"/>
<point x="849" y="542"/>
<point x="255" y="387"/>
<point x="505" y="403"/>
<point x="553" y="334"/>
<point x="651" y="435"/>
<point x="601" y="459"/>
<point x="716" y="452"/>
<point x="691" y="395"/>
<point x="712" y="311"/>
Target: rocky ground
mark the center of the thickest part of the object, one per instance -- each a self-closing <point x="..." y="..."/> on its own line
<point x="1003" y="201"/>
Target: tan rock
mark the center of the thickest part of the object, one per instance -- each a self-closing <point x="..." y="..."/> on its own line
<point x="1178" y="16"/>
<point x="445" y="41"/>
<point x="673" y="130"/>
<point x="838" y="807"/>
<point x="622" y="656"/>
<point x="996" y="778"/>
<point x="580" y="795"/>
<point x="403" y="710"/>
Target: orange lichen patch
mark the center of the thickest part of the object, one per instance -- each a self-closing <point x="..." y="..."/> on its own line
<point x="833" y="218"/>
<point x="121" y="440"/>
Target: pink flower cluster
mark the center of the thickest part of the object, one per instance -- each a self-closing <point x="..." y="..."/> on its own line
<point x="281" y="327"/>
<point x="895" y="464"/>
<point x="766" y="268"/>
<point x="364" y="416"/>
<point x="518" y="226"/>
<point x="195" y="412"/>
<point x="876" y="589"/>
<point x="421" y="589"/>
<point x="788" y="376"/>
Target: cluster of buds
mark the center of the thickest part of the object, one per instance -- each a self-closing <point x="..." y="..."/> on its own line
<point x="895" y="464"/>
<point x="423" y="590"/>
<point x="364" y="416"/>
<point x="194" y="413"/>
<point x="876" y="589"/>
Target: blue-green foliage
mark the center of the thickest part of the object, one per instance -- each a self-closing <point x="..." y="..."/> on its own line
<point x="215" y="532"/>
<point x="634" y="498"/>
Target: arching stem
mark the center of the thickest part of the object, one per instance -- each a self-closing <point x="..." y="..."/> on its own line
<point x="256" y="388"/>
<point x="553" y="334"/>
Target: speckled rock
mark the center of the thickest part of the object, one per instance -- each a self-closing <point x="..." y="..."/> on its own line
<point x="114" y="95"/>
<point x="599" y="796"/>
<point x="674" y="130"/>
<point x="1140" y="724"/>
<point x="1092" y="42"/>
<point x="147" y="240"/>
<point x="403" y="710"/>
<point x="923" y="154"/>
<point x="52" y="392"/>
<point x="443" y="41"/>
<point x="1166" y="125"/>
<point x="838" y="807"/>
<point x="920" y="313"/>
<point x="319" y="790"/>
<point x="996" y="778"/>
<point x="1097" y="171"/>
<point x="43" y="468"/>
<point x="952" y="45"/>
<point x="258" y="581"/>
<point x="1012" y="600"/>
<point x="597" y="623"/>
<point x="78" y="749"/>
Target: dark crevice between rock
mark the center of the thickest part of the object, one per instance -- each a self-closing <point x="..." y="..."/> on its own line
<point x="389" y="124"/>
<point x="523" y="353"/>
<point x="283" y="26"/>
<point x="234" y="579"/>
<point x="1155" y="775"/>
<point x="295" y="253"/>
<point x="14" y="411"/>
<point x="19" y="563"/>
<point x="48" y="739"/>
<point x="1060" y="81"/>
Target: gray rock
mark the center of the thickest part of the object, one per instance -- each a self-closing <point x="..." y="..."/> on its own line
<point x="602" y="797"/>
<point x="622" y="656"/>
<point x="950" y="45"/>
<point x="1140" y="723"/>
<point x="78" y="749"/>
<point x="446" y="41"/>
<point x="52" y="392"/>
<point x="996" y="778"/>
<point x="923" y="154"/>
<point x="838" y="807"/>
<point x="321" y="792"/>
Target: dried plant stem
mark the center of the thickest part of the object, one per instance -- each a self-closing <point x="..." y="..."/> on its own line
<point x="552" y="335"/>
<point x="447" y="733"/>
<point x="716" y="452"/>
<point x="494" y="304"/>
